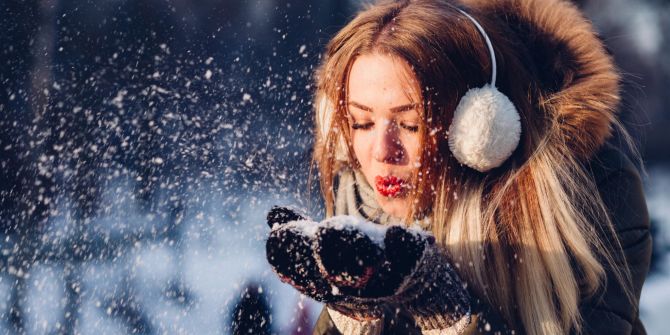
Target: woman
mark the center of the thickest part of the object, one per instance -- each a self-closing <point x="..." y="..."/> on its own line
<point x="490" y="124"/>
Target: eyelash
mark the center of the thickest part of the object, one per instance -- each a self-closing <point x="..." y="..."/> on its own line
<point x="366" y="126"/>
<point x="413" y="129"/>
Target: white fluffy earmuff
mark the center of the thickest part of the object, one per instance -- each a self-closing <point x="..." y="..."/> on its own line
<point x="486" y="127"/>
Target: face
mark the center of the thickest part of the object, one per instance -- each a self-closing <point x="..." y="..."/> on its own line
<point x="385" y="125"/>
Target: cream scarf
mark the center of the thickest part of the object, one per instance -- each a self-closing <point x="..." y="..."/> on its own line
<point x="354" y="196"/>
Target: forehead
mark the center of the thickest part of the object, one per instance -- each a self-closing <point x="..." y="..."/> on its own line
<point x="382" y="80"/>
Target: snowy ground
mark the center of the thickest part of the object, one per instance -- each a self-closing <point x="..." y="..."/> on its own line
<point x="186" y="282"/>
<point x="655" y="300"/>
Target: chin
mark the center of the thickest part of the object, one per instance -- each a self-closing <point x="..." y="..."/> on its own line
<point x="393" y="206"/>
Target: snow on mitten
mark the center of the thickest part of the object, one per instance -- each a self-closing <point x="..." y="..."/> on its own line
<point x="289" y="252"/>
<point x="370" y="265"/>
<point x="357" y="267"/>
<point x="281" y="215"/>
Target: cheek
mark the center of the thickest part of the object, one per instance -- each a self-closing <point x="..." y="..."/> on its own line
<point x="362" y="148"/>
<point x="414" y="149"/>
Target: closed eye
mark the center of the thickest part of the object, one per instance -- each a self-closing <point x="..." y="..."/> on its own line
<point x="362" y="126"/>
<point x="411" y="128"/>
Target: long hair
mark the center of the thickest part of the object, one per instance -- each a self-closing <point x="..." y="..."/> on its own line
<point x="523" y="235"/>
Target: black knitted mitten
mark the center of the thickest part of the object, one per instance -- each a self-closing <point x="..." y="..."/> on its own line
<point x="356" y="267"/>
<point x="289" y="251"/>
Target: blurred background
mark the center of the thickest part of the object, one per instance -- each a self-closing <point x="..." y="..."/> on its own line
<point x="142" y="143"/>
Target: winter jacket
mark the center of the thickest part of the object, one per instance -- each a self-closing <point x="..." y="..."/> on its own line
<point x="606" y="312"/>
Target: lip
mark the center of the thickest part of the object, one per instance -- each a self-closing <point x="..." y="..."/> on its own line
<point x="390" y="186"/>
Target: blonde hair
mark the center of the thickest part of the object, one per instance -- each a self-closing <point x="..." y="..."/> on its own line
<point x="523" y="235"/>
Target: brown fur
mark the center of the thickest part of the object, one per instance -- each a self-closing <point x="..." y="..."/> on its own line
<point x="577" y="78"/>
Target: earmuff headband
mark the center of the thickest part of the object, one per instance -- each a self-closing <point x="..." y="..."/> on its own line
<point x="486" y="127"/>
<point x="488" y="45"/>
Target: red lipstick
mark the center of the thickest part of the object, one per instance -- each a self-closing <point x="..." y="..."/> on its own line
<point x="389" y="186"/>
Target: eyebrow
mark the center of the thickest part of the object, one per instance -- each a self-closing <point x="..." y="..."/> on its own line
<point x="397" y="109"/>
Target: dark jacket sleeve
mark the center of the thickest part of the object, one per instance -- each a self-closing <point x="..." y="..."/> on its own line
<point x="610" y="311"/>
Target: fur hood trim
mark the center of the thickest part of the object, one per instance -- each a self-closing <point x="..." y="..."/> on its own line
<point x="578" y="79"/>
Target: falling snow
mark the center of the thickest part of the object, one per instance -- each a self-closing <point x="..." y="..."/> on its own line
<point x="141" y="147"/>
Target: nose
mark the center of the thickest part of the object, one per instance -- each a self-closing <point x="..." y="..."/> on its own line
<point x="387" y="146"/>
